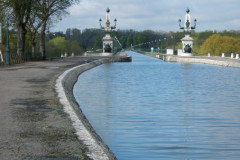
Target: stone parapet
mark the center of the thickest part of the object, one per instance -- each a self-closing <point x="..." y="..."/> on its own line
<point x="227" y="62"/>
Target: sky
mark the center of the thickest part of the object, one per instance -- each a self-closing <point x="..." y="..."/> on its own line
<point x="157" y="15"/>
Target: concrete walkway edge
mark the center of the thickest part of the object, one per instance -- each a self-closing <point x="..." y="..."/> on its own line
<point x="64" y="87"/>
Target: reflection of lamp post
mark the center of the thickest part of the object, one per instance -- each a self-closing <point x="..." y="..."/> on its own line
<point x="7" y="46"/>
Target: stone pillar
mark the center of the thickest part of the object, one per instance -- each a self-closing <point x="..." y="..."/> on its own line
<point x="107" y="45"/>
<point x="232" y="55"/>
<point x="170" y="51"/>
<point x="209" y="54"/>
<point x="223" y="54"/>
<point x="1" y="57"/>
<point x="187" y="45"/>
<point x="237" y="56"/>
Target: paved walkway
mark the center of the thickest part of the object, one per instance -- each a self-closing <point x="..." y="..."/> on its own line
<point x="33" y="124"/>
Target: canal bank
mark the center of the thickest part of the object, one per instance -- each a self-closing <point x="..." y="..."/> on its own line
<point x="220" y="61"/>
<point x="85" y="132"/>
<point x="149" y="109"/>
<point x="32" y="120"/>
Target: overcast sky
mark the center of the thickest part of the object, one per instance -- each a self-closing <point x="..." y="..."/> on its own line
<point x="158" y="15"/>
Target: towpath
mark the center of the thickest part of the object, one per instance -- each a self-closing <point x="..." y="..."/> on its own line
<point x="33" y="124"/>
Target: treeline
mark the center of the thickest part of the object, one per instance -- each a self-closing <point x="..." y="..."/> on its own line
<point x="30" y="36"/>
<point x="218" y="44"/>
<point x="60" y="46"/>
<point x="29" y="20"/>
<point x="92" y="39"/>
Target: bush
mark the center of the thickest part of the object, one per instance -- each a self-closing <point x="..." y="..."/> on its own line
<point x="59" y="45"/>
<point x="217" y="44"/>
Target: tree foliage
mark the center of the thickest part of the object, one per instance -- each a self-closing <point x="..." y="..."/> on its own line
<point x="31" y="15"/>
<point x="60" y="45"/>
<point x="47" y="10"/>
<point x="20" y="10"/>
<point x="217" y="44"/>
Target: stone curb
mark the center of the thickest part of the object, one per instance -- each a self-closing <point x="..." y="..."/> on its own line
<point x="214" y="61"/>
<point x="85" y="132"/>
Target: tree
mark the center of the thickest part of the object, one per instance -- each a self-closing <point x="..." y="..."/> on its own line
<point x="212" y="45"/>
<point x="76" y="48"/>
<point x="33" y="27"/>
<point x="21" y="10"/>
<point x="57" y="46"/>
<point x="130" y="40"/>
<point x="123" y="41"/>
<point x="47" y="10"/>
<point x="216" y="44"/>
<point x="98" y="43"/>
<point x="60" y="45"/>
<point x="73" y="34"/>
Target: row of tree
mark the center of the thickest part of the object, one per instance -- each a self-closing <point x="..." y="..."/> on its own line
<point x="144" y="40"/>
<point x="217" y="44"/>
<point x="33" y="17"/>
<point x="90" y="39"/>
<point x="59" y="46"/>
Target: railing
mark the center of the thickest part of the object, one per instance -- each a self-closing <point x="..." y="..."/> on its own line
<point x="155" y="51"/>
<point x="15" y="59"/>
<point x="117" y="45"/>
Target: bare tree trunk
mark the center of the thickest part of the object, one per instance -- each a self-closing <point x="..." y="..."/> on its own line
<point x="42" y="41"/>
<point x="33" y="49"/>
<point x="21" y="34"/>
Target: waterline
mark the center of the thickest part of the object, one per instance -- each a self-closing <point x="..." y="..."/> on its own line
<point x="149" y="109"/>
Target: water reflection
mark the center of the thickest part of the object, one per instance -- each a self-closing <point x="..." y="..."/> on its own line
<point x="149" y="109"/>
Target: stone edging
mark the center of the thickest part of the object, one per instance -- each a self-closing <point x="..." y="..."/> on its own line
<point x="64" y="87"/>
<point x="207" y="60"/>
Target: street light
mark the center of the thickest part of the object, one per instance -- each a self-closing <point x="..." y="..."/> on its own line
<point x="115" y="23"/>
<point x="100" y="23"/>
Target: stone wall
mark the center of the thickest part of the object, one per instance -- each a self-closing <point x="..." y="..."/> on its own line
<point x="227" y="62"/>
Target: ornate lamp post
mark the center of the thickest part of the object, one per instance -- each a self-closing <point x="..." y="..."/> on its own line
<point x="107" y="39"/>
<point x="187" y="41"/>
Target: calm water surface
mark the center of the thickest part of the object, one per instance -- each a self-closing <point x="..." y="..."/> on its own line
<point x="151" y="110"/>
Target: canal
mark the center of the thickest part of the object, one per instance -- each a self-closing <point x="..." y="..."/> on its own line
<point x="150" y="110"/>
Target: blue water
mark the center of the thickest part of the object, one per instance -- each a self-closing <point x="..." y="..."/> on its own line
<point x="150" y="110"/>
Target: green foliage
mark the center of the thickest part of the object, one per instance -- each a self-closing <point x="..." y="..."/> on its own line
<point x="59" y="45"/>
<point x="123" y="41"/>
<point x="76" y="48"/>
<point x="217" y="44"/>
<point x="98" y="43"/>
<point x="129" y="40"/>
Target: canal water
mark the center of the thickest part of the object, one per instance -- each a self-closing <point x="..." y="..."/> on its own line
<point x="150" y="110"/>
